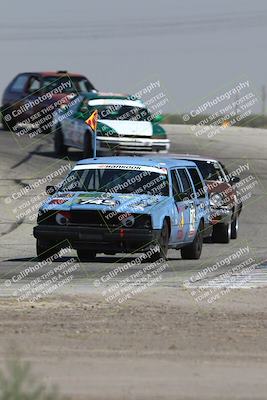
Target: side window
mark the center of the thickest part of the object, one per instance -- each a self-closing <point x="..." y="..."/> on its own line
<point x="176" y="189"/>
<point x="187" y="186"/>
<point x="219" y="173"/>
<point x="226" y="173"/>
<point x="34" y="84"/>
<point x="193" y="172"/>
<point x="19" y="83"/>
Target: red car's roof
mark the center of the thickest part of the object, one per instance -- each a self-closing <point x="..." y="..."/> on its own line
<point x="56" y="73"/>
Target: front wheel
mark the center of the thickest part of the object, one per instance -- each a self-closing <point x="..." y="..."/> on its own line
<point x="88" y="145"/>
<point x="221" y="233"/>
<point x="234" y="228"/>
<point x="193" y="251"/>
<point x="60" y="148"/>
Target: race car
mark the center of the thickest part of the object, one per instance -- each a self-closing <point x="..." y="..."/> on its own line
<point x="225" y="201"/>
<point x="28" y="96"/>
<point x="126" y="204"/>
<point x="124" y="125"/>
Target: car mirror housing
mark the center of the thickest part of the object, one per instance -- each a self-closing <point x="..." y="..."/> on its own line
<point x="234" y="179"/>
<point x="158" y="118"/>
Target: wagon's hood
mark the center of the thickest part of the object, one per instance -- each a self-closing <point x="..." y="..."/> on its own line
<point x="224" y="188"/>
<point x="130" y="203"/>
<point x="128" y="128"/>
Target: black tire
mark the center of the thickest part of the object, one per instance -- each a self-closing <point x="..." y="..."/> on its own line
<point x="221" y="233"/>
<point x="43" y="251"/>
<point x="60" y="148"/>
<point x="234" y="228"/>
<point x="88" y="145"/>
<point x="193" y="251"/>
<point x="85" y="255"/>
<point x="163" y="243"/>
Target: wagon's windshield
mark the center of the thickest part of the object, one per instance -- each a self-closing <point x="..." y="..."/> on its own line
<point x="209" y="170"/>
<point x="111" y="179"/>
<point x="121" y="112"/>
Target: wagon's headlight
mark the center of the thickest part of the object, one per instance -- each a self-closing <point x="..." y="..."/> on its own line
<point x="63" y="107"/>
<point x="216" y="200"/>
<point x="128" y="221"/>
<point x="62" y="218"/>
<point x="147" y="223"/>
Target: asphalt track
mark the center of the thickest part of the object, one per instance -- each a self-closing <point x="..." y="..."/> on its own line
<point x="24" y="161"/>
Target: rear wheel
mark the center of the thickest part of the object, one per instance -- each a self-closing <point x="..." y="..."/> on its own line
<point x="193" y="251"/>
<point x="85" y="255"/>
<point x="88" y="145"/>
<point x="234" y="228"/>
<point x="221" y="233"/>
<point x="60" y="148"/>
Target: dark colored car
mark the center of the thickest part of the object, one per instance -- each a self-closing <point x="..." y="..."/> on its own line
<point x="225" y="201"/>
<point x="33" y="96"/>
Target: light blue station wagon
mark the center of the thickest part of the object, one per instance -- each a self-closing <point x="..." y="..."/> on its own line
<point x="126" y="204"/>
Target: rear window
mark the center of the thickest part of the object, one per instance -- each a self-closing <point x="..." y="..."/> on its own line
<point x="79" y="84"/>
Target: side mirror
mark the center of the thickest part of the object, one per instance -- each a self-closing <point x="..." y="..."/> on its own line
<point x="84" y="109"/>
<point x="50" y="190"/>
<point x="234" y="179"/>
<point x="158" y="118"/>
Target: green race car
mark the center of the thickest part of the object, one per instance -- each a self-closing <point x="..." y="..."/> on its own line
<point x="124" y="125"/>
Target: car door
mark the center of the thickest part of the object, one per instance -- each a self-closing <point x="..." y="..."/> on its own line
<point x="201" y="197"/>
<point x="180" y="215"/>
<point x="33" y="99"/>
<point x="189" y="203"/>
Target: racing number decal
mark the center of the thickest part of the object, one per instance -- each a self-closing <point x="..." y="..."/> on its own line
<point x="181" y="232"/>
<point x="192" y="220"/>
<point x="181" y="224"/>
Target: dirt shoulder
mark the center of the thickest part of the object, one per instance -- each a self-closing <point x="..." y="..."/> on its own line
<point x="160" y="345"/>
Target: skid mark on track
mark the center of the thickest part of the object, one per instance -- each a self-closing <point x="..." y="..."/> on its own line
<point x="12" y="228"/>
<point x="27" y="157"/>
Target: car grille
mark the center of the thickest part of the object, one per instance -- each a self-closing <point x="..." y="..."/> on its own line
<point x="108" y="219"/>
<point x="96" y="218"/>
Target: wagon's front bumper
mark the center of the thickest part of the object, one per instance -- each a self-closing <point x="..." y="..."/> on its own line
<point x="132" y="144"/>
<point x="221" y="216"/>
<point x="96" y="238"/>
